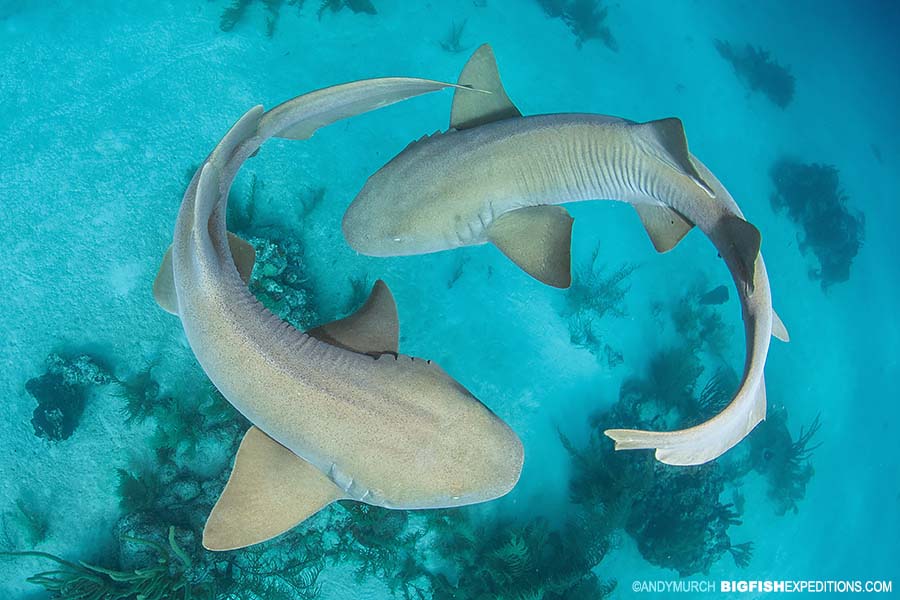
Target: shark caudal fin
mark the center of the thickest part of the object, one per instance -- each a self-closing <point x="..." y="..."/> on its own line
<point x="701" y="443"/>
<point x="301" y="117"/>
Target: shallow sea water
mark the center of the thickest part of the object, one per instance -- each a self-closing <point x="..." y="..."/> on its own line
<point x="106" y="106"/>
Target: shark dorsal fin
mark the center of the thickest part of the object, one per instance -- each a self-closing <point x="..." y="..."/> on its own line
<point x="244" y="255"/>
<point x="373" y="328"/>
<point x="164" y="285"/>
<point x="539" y="240"/>
<point x="668" y="136"/>
<point x="471" y="108"/>
<point x="270" y="490"/>
<point x="665" y="226"/>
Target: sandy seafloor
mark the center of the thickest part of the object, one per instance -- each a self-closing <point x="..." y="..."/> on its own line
<point x="104" y="105"/>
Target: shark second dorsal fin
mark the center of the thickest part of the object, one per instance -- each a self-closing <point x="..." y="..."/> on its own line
<point x="665" y="226"/>
<point x="373" y="328"/>
<point x="668" y="135"/>
<point x="270" y="490"/>
<point x="470" y="108"/>
<point x="539" y="240"/>
<point x="745" y="241"/>
<point x="164" y="285"/>
<point x="244" y="255"/>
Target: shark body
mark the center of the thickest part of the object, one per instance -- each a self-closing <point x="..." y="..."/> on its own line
<point x="497" y="177"/>
<point x="338" y="413"/>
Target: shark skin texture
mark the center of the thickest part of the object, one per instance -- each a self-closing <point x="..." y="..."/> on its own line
<point x="498" y="177"/>
<point x="337" y="412"/>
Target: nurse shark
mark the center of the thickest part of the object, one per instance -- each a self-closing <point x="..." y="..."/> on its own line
<point x="497" y="177"/>
<point x="337" y="412"/>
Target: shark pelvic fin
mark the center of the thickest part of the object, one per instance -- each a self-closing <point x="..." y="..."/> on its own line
<point x="373" y="328"/>
<point x="778" y="328"/>
<point x="164" y="285"/>
<point x="668" y="135"/>
<point x="471" y="109"/>
<point x="745" y="241"/>
<point x="665" y="226"/>
<point x="270" y="490"/>
<point x="539" y="240"/>
<point x="244" y="255"/>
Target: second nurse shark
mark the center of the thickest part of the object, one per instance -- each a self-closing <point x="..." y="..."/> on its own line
<point x="497" y="177"/>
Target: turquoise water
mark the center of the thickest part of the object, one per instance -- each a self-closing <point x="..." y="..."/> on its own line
<point x="108" y="108"/>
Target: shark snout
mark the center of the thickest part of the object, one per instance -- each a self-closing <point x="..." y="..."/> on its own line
<point x="363" y="232"/>
<point x="375" y="233"/>
<point x="353" y="226"/>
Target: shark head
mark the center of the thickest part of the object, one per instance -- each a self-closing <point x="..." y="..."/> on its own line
<point x="393" y="214"/>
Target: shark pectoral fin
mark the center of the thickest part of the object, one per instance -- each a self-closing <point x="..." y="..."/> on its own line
<point x="244" y="255"/>
<point x="665" y="226"/>
<point x="164" y="285"/>
<point x="668" y="135"/>
<point x="270" y="490"/>
<point x="778" y="328"/>
<point x="539" y="240"/>
<point x="373" y="328"/>
<point x="471" y="109"/>
<point x="745" y="241"/>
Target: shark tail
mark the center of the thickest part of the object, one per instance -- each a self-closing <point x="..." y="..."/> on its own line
<point x="701" y="443"/>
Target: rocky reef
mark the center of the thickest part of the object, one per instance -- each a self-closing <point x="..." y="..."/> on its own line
<point x="812" y="197"/>
<point x="585" y="18"/>
<point x="783" y="460"/>
<point x="594" y="294"/>
<point x="236" y="11"/>
<point x="759" y="72"/>
<point x="62" y="393"/>
<point x="674" y="514"/>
